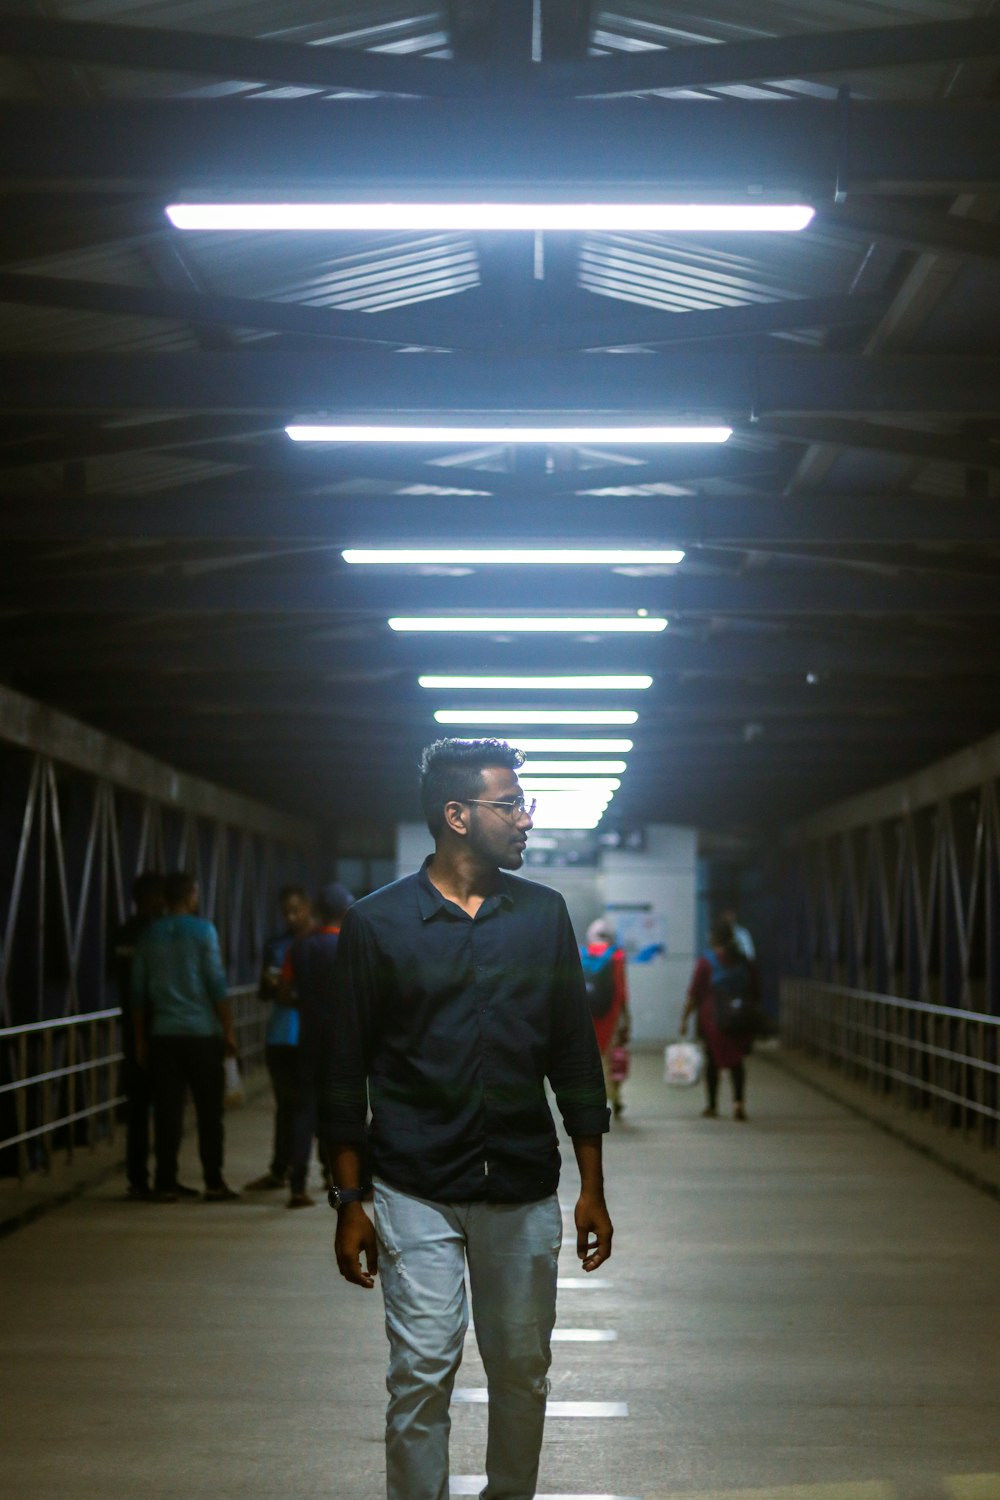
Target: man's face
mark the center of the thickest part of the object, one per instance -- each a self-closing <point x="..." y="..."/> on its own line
<point x="496" y="837"/>
<point x="297" y="914"/>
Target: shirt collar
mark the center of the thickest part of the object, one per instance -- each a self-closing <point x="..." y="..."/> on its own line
<point x="431" y="901"/>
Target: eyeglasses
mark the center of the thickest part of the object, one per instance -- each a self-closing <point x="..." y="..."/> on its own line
<point x="514" y="807"/>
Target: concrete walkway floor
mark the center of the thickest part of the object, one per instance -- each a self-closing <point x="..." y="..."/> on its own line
<point x="804" y="1309"/>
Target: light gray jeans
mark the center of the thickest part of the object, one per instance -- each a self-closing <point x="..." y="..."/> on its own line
<point x="512" y="1252"/>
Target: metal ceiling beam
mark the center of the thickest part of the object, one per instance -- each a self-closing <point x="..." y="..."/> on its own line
<point x="39" y="727"/>
<point x="699" y="383"/>
<point x="876" y="437"/>
<point x="939" y="233"/>
<point x="373" y="520"/>
<point x="558" y="146"/>
<point x="256" y="590"/>
<point x="284" y="469"/>
<point x="466" y="326"/>
<point x="156" y="49"/>
<point x="397" y="698"/>
<point x="278" y="647"/>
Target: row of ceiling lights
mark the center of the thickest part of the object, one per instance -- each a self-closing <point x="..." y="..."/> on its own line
<point x="576" y="792"/>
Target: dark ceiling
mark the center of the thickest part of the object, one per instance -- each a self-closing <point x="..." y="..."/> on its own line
<point x="171" y="562"/>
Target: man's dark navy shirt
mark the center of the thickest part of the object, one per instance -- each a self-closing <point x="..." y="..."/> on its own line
<point x="455" y="1022"/>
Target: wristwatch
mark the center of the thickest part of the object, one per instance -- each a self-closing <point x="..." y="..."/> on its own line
<point x="341" y="1197"/>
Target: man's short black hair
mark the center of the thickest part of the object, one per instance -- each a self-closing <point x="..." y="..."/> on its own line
<point x="293" y="889"/>
<point x="148" y="884"/>
<point x="452" y="771"/>
<point x="178" y="886"/>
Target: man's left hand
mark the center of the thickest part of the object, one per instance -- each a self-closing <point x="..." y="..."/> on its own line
<point x="594" y="1230"/>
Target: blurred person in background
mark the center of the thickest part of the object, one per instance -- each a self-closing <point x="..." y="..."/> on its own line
<point x="282" y="1037"/>
<point x="150" y="903"/>
<point x="307" y="983"/>
<point x="607" y="995"/>
<point x="723" y="996"/>
<point x="183" y="1030"/>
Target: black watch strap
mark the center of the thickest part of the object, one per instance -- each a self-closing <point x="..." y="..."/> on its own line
<point x="341" y="1197"/>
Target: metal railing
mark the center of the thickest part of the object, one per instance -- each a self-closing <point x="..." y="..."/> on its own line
<point x="60" y="1080"/>
<point x="933" y="1059"/>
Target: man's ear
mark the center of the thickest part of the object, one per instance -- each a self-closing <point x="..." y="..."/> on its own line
<point x="456" y="818"/>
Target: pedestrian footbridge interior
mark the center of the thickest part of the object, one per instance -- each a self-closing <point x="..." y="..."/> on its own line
<point x="622" y="382"/>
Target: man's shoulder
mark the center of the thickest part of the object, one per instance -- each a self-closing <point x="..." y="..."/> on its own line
<point x="388" y="898"/>
<point x="532" y="896"/>
<point x="199" y="929"/>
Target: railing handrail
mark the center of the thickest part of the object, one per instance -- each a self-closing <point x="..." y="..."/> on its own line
<point x="923" y="1006"/>
<point x="57" y="1022"/>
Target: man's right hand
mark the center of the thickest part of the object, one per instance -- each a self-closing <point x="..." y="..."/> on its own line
<point x="356" y="1236"/>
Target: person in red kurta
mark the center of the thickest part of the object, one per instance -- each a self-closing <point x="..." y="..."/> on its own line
<point x="612" y="1028"/>
<point x="724" y="1049"/>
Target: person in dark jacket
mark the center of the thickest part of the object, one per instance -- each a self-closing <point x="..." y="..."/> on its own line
<point x="281" y="1041"/>
<point x="722" y="969"/>
<point x="150" y="903"/>
<point x="456" y="993"/>
<point x="306" y="982"/>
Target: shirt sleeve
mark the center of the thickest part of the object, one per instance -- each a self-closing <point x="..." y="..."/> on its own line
<point x="213" y="974"/>
<point x="574" y="1070"/>
<point x="701" y="980"/>
<point x="347" y="1037"/>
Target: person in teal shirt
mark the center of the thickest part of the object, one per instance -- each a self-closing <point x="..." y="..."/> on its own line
<point x="184" y="1029"/>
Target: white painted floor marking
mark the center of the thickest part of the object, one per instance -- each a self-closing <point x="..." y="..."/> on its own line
<point x="478" y="1395"/>
<point x="471" y="1484"/>
<point x="577" y="1283"/>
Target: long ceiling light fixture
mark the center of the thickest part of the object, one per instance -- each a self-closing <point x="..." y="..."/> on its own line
<point x="506" y="718"/>
<point x="598" y="785"/>
<point x="611" y="768"/>
<point x="546" y="684"/>
<point x="573" y="746"/>
<point x="509" y="432"/>
<point x="509" y="624"/>
<point x="502" y="556"/>
<point x="574" y="218"/>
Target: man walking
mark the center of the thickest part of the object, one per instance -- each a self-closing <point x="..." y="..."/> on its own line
<point x="183" y="1029"/>
<point x="457" y="992"/>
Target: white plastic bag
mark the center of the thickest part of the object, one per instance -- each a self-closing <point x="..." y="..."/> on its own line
<point x="681" y="1064"/>
<point x="233" y="1090"/>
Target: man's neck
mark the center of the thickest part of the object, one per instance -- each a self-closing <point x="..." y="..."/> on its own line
<point x="462" y="879"/>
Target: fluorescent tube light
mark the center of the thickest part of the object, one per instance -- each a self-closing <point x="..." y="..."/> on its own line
<point x="497" y="556"/>
<point x="558" y="684"/>
<point x="574" y="746"/>
<point x="572" y="768"/>
<point x="581" y="784"/>
<point x="566" y="818"/>
<point x="508" y="624"/>
<point x="576" y="218"/>
<point x="509" y="432"/>
<point x="505" y="718"/>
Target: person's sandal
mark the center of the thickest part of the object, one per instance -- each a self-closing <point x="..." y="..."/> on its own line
<point x="739" y="1113"/>
<point x="709" y="1113"/>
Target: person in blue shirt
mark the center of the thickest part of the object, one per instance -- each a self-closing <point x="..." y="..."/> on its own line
<point x="282" y="1047"/>
<point x="183" y="1030"/>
